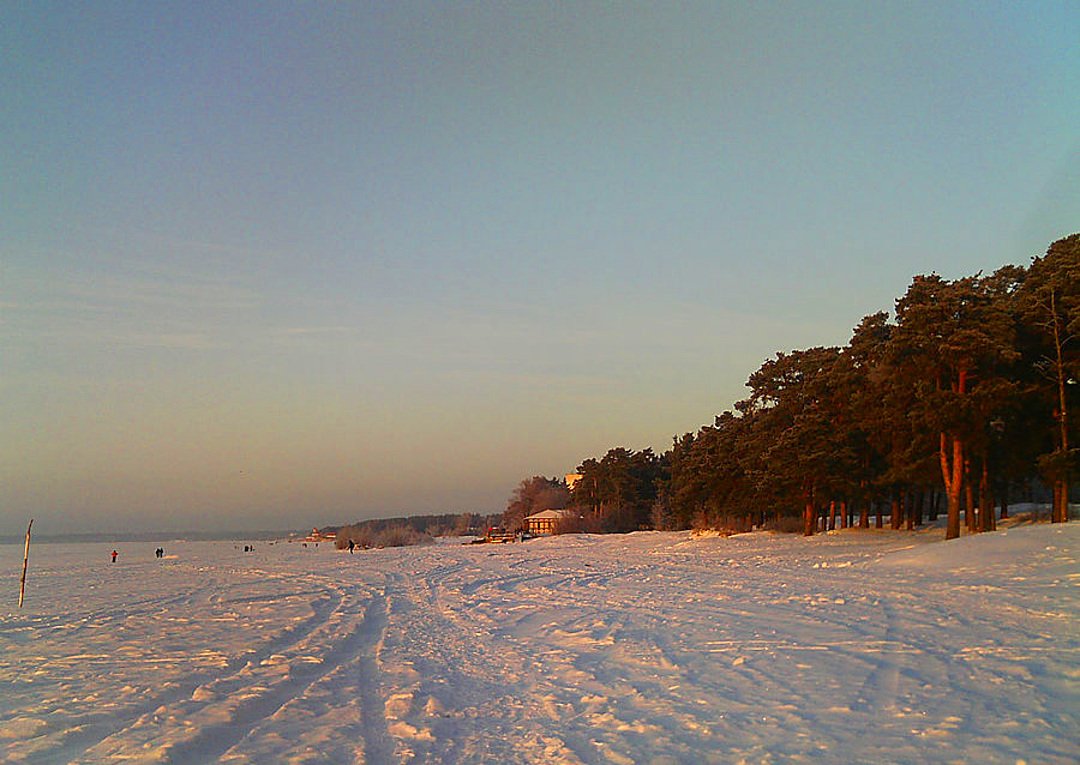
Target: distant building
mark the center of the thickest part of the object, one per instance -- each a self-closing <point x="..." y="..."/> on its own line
<point x="548" y="522"/>
<point x="321" y="536"/>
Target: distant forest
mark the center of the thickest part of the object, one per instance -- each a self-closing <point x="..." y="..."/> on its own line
<point x="411" y="530"/>
<point x="967" y="392"/>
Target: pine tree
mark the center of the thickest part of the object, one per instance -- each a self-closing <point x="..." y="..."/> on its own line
<point x="950" y="340"/>
<point x="795" y="443"/>
<point x="1050" y="304"/>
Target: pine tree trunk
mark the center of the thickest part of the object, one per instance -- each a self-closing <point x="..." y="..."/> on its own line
<point x="1061" y="507"/>
<point x="809" y="508"/>
<point x="970" y="510"/>
<point x="878" y="519"/>
<point x="1060" y="510"/>
<point x="986" y="501"/>
<point x="952" y="523"/>
<point x="952" y="475"/>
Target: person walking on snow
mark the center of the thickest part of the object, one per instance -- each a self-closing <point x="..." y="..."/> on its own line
<point x="114" y="554"/>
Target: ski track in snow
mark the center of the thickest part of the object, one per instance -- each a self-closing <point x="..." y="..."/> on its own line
<point x="645" y="648"/>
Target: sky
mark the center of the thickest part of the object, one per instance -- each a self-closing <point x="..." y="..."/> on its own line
<point x="272" y="265"/>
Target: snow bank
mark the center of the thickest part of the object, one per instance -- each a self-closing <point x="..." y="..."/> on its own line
<point x="1045" y="546"/>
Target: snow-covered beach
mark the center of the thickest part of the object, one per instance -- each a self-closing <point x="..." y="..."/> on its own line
<point x="854" y="646"/>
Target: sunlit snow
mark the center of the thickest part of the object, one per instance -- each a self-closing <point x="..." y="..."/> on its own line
<point x="854" y="646"/>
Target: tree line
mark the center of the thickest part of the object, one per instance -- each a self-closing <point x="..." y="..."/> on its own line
<point x="411" y="530"/>
<point x="967" y="390"/>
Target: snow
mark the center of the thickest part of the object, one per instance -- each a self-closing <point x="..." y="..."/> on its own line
<point x="852" y="646"/>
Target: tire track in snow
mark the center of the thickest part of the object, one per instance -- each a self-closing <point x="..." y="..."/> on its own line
<point x="378" y="744"/>
<point x="881" y="689"/>
<point x="358" y="646"/>
<point x="435" y="644"/>
<point x="85" y="744"/>
<point x="583" y="668"/>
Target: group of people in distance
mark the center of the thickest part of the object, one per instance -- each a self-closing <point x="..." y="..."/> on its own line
<point x="158" y="553"/>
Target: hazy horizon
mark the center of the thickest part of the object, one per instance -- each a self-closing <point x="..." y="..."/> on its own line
<point x="151" y="536"/>
<point x="273" y="265"/>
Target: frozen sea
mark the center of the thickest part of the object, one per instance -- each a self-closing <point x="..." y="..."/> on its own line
<point x="853" y="646"/>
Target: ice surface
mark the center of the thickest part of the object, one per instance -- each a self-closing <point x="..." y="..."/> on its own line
<point x="855" y="646"/>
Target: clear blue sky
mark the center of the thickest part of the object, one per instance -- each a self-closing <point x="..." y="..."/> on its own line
<point x="271" y="265"/>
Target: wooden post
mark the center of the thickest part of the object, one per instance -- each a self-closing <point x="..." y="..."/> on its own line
<point x="25" y="560"/>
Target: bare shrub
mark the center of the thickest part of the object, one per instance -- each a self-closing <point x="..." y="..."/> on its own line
<point x="401" y="536"/>
<point x="579" y="523"/>
<point x="786" y="524"/>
